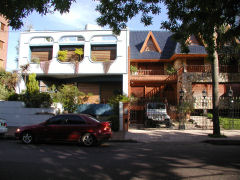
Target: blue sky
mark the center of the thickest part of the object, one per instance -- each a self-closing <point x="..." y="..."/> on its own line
<point x="81" y="13"/>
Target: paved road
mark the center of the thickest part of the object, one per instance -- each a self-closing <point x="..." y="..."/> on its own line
<point x="165" y="160"/>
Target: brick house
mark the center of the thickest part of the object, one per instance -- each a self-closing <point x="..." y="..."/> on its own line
<point x="157" y="68"/>
<point x="3" y="42"/>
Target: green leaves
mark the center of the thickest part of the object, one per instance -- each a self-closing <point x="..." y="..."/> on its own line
<point x="32" y="84"/>
<point x="15" y="11"/>
<point x="116" y="13"/>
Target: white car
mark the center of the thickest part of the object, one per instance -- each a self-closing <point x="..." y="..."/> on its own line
<point x="3" y="127"/>
<point x="156" y="113"/>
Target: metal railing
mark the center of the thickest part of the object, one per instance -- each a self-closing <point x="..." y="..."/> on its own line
<point x="148" y="72"/>
<point x="208" y="68"/>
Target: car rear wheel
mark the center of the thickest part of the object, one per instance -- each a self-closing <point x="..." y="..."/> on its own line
<point x="27" y="138"/>
<point x="88" y="139"/>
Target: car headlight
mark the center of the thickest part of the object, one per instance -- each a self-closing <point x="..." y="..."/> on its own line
<point x="18" y="130"/>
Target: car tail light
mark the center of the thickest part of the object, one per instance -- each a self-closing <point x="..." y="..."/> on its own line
<point x="105" y="126"/>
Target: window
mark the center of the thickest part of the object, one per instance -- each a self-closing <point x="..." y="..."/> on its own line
<point x="103" y="48"/>
<point x="2" y="26"/>
<point x="75" y="120"/>
<point x="43" y="87"/>
<point x="150" y="46"/>
<point x="56" y="120"/>
<point x="1" y="44"/>
<point x="41" y="40"/>
<point x="71" y="55"/>
<point x="42" y="53"/>
<point x="72" y="39"/>
<point x="103" y="52"/>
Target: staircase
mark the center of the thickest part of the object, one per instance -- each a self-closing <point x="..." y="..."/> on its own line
<point x="157" y="90"/>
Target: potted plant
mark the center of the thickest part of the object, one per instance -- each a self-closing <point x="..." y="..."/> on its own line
<point x="170" y="70"/>
<point x="133" y="69"/>
<point x="62" y="55"/>
<point x="35" y="60"/>
<point x="79" y="52"/>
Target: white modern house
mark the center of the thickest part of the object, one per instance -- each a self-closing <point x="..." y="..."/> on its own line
<point x="101" y="69"/>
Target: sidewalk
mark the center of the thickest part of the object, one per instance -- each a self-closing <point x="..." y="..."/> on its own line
<point x="162" y="135"/>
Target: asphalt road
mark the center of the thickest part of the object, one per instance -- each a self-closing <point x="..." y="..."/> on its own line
<point x="119" y="161"/>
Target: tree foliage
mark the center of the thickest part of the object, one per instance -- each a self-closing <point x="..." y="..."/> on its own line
<point x="15" y="10"/>
<point x="8" y="79"/>
<point x="32" y="84"/>
<point x="116" y="13"/>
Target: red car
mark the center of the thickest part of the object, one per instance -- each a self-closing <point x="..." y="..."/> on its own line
<point x="82" y="128"/>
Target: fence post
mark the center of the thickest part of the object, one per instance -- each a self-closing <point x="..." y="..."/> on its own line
<point x="120" y="116"/>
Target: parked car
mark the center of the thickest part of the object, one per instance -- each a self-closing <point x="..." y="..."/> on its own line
<point x="156" y="113"/>
<point x="81" y="128"/>
<point x="3" y="127"/>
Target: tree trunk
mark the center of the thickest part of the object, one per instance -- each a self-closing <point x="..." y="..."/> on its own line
<point x="215" y="82"/>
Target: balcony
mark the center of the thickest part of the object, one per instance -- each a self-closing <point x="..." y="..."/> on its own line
<point x="208" y="68"/>
<point x="152" y="75"/>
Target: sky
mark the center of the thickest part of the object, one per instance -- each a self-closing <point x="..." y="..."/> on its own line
<point x="80" y="14"/>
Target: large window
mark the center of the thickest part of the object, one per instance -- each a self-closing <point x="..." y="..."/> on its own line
<point x="41" y="53"/>
<point x="103" y="52"/>
<point x="41" y="49"/>
<point x="103" y="48"/>
<point x="74" y="46"/>
<point x="71" y="54"/>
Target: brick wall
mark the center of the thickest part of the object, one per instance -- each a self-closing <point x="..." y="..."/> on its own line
<point x="4" y="42"/>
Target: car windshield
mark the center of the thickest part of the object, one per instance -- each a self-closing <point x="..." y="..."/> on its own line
<point x="156" y="106"/>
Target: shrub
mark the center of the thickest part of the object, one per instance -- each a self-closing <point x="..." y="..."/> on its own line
<point x="4" y="92"/>
<point x="68" y="95"/>
<point x="62" y="55"/>
<point x="15" y="97"/>
<point x="170" y="70"/>
<point x="209" y="115"/>
<point x="35" y="60"/>
<point x="32" y="84"/>
<point x="37" y="100"/>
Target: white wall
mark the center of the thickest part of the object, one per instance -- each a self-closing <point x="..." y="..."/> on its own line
<point x="17" y="115"/>
<point x="119" y="66"/>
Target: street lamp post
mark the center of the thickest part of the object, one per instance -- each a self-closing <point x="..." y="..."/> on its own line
<point x="230" y="95"/>
<point x="204" y="103"/>
<point x="181" y="122"/>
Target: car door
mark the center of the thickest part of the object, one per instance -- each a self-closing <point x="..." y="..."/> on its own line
<point x="76" y="126"/>
<point x="55" y="128"/>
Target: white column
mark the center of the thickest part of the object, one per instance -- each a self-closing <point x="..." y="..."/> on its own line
<point x="120" y="116"/>
<point x="125" y="84"/>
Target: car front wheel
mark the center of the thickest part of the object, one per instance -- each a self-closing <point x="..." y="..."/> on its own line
<point x="27" y="138"/>
<point x="88" y="139"/>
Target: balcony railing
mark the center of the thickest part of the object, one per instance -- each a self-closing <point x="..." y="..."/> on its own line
<point x="148" y="72"/>
<point x="208" y="68"/>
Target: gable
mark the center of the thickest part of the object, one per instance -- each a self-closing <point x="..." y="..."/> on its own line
<point x="150" y="44"/>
